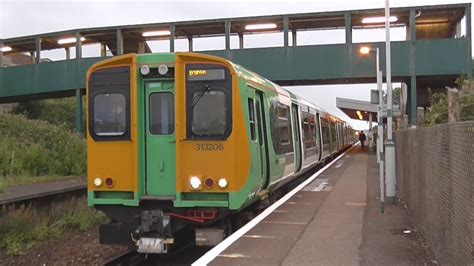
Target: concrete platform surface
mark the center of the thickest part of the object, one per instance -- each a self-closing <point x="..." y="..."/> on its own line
<point x="31" y="191"/>
<point x="335" y="220"/>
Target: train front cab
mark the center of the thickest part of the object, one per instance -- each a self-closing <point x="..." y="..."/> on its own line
<point x="162" y="136"/>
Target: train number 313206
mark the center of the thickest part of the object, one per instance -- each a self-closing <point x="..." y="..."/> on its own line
<point x="209" y="147"/>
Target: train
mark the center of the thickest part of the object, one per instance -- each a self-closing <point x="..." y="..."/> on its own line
<point x="181" y="142"/>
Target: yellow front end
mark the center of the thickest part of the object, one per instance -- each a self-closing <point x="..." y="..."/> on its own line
<point x="227" y="158"/>
<point x="113" y="157"/>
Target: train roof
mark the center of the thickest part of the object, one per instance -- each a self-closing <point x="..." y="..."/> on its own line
<point x="256" y="78"/>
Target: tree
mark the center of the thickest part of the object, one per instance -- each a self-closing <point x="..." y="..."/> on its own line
<point x="438" y="111"/>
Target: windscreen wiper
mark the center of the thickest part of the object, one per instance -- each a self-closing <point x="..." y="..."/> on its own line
<point x="199" y="96"/>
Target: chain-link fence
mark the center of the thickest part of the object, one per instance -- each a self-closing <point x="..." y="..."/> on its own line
<point x="435" y="179"/>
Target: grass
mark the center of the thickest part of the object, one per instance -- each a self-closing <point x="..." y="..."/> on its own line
<point x="22" y="229"/>
<point x="37" y="148"/>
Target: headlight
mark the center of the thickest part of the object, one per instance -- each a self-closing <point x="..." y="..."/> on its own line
<point x="222" y="182"/>
<point x="162" y="70"/>
<point x="145" y="70"/>
<point x="195" y="182"/>
<point x="98" y="182"/>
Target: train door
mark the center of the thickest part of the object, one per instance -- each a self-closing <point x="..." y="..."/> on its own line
<point x="296" y="136"/>
<point x="160" y="139"/>
<point x="262" y="138"/>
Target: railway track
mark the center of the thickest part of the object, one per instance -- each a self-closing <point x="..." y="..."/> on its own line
<point x="129" y="257"/>
<point x="185" y="256"/>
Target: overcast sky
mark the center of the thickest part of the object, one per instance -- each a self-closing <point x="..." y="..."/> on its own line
<point x="19" y="18"/>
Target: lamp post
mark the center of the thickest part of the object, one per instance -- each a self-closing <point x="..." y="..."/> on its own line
<point x="380" y="157"/>
<point x="390" y="146"/>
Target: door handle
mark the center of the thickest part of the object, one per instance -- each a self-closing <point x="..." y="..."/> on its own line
<point x="162" y="166"/>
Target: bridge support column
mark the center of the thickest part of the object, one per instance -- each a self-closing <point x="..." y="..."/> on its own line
<point x="68" y="53"/>
<point x="79" y="128"/>
<point x="103" y="50"/>
<point x="190" y="44"/>
<point x="293" y="38"/>
<point x="241" y="40"/>
<point x="469" y="38"/>
<point x="1" y="54"/>
<point x="119" y="42"/>
<point x="412" y="64"/>
<point x="78" y="45"/>
<point x="141" y="48"/>
<point x="286" y="26"/>
<point x="348" y="24"/>
<point x="172" y="33"/>
<point x="413" y="101"/>
<point x="38" y="50"/>
<point x="227" y="35"/>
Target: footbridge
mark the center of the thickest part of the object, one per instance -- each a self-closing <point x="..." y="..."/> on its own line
<point x="436" y="51"/>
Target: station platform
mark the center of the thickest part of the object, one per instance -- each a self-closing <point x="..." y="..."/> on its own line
<point x="334" y="220"/>
<point x="31" y="191"/>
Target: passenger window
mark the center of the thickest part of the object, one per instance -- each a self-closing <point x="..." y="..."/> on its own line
<point x="252" y="119"/>
<point x="109" y="114"/>
<point x="306" y="134"/>
<point x="284" y="124"/>
<point x="312" y="128"/>
<point x="162" y="113"/>
<point x="259" y="122"/>
<point x="325" y="133"/>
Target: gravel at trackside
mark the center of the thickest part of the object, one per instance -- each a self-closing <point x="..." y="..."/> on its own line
<point x="78" y="248"/>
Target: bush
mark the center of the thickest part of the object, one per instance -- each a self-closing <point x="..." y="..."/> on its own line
<point x="34" y="148"/>
<point x="60" y="112"/>
<point x="438" y="111"/>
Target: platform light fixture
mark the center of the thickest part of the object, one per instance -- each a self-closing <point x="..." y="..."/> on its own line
<point x="264" y="26"/>
<point x="69" y="40"/>
<point x="6" y="49"/>
<point x="372" y="20"/>
<point x="364" y="50"/>
<point x="156" y="33"/>
<point x="359" y="114"/>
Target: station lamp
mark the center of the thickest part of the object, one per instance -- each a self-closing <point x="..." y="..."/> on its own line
<point x="6" y="49"/>
<point x="364" y="50"/>
<point x="372" y="20"/>
<point x="359" y="114"/>
<point x="264" y="26"/>
<point x="156" y="33"/>
<point x="69" y="40"/>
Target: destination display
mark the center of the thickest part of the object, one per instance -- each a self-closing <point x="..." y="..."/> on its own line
<point x="205" y="74"/>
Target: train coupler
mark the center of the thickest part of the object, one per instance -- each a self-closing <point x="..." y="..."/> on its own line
<point x="153" y="245"/>
<point x="154" y="233"/>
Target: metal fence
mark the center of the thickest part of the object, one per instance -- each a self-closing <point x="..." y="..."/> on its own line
<point x="435" y="179"/>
